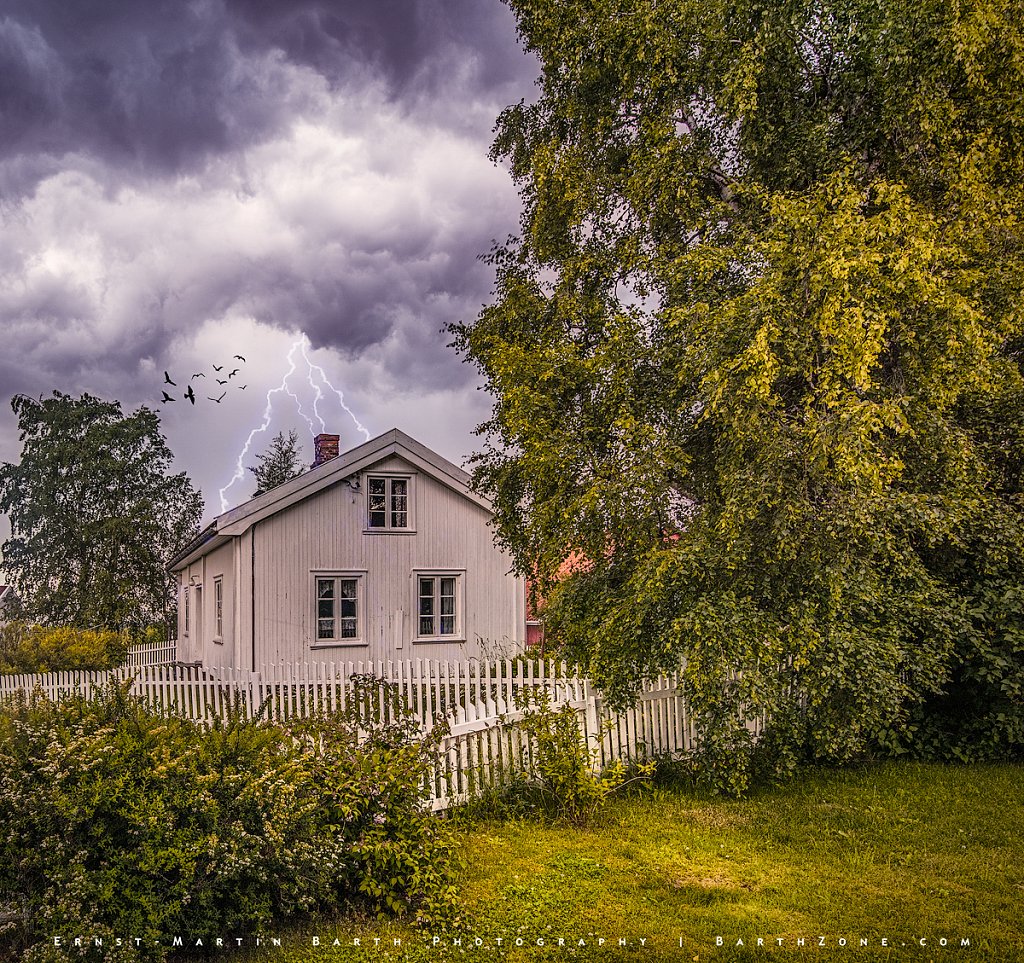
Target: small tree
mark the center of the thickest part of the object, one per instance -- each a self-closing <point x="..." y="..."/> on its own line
<point x="94" y="513"/>
<point x="279" y="463"/>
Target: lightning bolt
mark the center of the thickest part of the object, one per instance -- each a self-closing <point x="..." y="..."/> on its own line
<point x="341" y="398"/>
<point x="300" y="344"/>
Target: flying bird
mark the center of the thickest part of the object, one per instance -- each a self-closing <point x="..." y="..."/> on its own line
<point x="167" y="380"/>
<point x="221" y="382"/>
<point x="240" y="358"/>
<point x="190" y="394"/>
<point x="198" y="374"/>
<point x="218" y="400"/>
<point x="242" y="387"/>
<point x="166" y="398"/>
<point x="231" y="374"/>
<point x="218" y="367"/>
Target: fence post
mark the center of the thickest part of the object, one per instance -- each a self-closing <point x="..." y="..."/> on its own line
<point x="592" y="721"/>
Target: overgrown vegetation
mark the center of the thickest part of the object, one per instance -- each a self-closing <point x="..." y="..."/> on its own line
<point x="118" y="823"/>
<point x="897" y="852"/>
<point x="36" y="648"/>
<point x="756" y="360"/>
<point x="558" y="776"/>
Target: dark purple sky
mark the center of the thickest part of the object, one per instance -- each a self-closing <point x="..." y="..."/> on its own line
<point x="184" y="181"/>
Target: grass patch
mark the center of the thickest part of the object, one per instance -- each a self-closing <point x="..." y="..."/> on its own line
<point x="897" y="852"/>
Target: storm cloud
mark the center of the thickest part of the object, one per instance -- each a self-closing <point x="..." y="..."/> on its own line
<point x="180" y="178"/>
<point x="159" y="87"/>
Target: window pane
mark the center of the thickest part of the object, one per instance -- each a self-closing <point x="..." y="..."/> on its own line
<point x="348" y="628"/>
<point x="347" y="588"/>
<point x="325" y="611"/>
<point x="447" y="606"/>
<point x="426" y="606"/>
<point x="378" y="503"/>
<point x="399" y="503"/>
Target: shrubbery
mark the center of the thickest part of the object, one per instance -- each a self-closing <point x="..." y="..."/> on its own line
<point x="37" y="648"/>
<point x="119" y="823"/>
<point x="557" y="776"/>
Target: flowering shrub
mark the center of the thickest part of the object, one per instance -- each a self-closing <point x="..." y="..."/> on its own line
<point x="119" y="824"/>
<point x="37" y="648"/>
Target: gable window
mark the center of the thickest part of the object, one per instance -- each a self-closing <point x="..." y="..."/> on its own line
<point x="438" y="606"/>
<point x="339" y="604"/>
<point x="387" y="503"/>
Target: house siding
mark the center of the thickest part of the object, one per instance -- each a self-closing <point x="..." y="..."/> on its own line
<point x="198" y="644"/>
<point x="326" y="533"/>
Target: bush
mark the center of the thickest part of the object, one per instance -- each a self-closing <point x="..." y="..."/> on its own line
<point x="116" y="822"/>
<point x="558" y="778"/>
<point x="37" y="648"/>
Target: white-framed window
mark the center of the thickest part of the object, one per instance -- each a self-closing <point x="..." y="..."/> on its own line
<point x="438" y="605"/>
<point x="338" y="608"/>
<point x="218" y="605"/>
<point x="185" y="606"/>
<point x="389" y="503"/>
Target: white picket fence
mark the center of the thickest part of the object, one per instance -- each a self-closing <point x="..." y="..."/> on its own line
<point x="143" y="654"/>
<point x="480" y="702"/>
<point x="484" y="745"/>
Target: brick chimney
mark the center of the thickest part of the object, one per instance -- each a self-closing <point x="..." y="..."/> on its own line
<point x="325" y="447"/>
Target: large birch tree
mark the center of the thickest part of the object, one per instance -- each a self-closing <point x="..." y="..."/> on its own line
<point x="756" y="364"/>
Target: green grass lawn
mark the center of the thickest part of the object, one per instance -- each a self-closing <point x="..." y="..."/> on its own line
<point x="897" y="852"/>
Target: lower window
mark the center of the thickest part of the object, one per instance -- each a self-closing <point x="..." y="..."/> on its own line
<point x="438" y="606"/>
<point x="338" y="608"/>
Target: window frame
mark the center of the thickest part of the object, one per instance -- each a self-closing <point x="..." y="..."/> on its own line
<point x="185" y="605"/>
<point x="218" y="609"/>
<point x="338" y="575"/>
<point x="459" y="574"/>
<point x="389" y="478"/>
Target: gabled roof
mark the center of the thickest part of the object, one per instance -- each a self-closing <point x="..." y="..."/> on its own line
<point x="238" y="520"/>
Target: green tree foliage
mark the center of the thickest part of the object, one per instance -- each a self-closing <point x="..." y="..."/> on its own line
<point x="756" y="362"/>
<point x="94" y="513"/>
<point x="279" y="463"/>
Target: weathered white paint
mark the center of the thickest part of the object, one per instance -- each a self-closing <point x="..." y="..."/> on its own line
<point x="270" y="554"/>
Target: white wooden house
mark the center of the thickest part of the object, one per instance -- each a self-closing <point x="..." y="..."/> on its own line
<point x="380" y="552"/>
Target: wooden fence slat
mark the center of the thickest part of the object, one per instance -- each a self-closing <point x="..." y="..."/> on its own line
<point x="478" y="698"/>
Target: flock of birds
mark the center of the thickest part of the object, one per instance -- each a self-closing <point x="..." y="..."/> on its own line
<point x="190" y="395"/>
